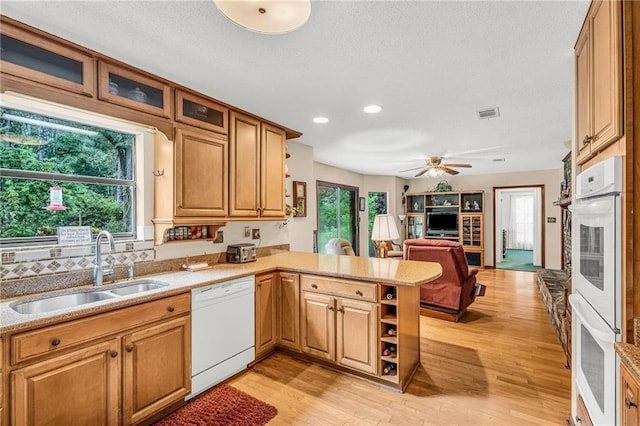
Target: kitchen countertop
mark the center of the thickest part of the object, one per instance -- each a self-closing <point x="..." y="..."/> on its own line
<point x="389" y="271"/>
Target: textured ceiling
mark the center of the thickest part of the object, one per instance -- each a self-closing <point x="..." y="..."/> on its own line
<point x="431" y="65"/>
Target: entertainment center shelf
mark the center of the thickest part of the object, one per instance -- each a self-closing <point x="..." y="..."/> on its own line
<point x="453" y="216"/>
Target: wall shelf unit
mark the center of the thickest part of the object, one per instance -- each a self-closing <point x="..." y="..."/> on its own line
<point x="454" y="216"/>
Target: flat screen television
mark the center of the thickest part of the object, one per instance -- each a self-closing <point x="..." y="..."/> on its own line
<point x="442" y="223"/>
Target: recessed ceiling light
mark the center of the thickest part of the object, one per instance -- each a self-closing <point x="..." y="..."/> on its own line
<point x="321" y="120"/>
<point x="372" y="109"/>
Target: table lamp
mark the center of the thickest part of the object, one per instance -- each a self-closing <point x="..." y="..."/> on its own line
<point x="384" y="229"/>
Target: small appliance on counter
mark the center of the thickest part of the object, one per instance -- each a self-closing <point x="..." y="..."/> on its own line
<point x="241" y="253"/>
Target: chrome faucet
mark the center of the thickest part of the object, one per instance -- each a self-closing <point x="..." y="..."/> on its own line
<point x="98" y="272"/>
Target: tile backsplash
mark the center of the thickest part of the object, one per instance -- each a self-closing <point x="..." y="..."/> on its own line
<point x="30" y="262"/>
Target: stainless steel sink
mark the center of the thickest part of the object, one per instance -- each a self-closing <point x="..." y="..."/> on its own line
<point x="138" y="286"/>
<point x="62" y="301"/>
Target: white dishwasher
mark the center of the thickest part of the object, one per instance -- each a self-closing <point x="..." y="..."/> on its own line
<point x="222" y="332"/>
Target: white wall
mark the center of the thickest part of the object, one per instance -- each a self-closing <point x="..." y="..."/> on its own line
<point x="549" y="178"/>
<point x="301" y="168"/>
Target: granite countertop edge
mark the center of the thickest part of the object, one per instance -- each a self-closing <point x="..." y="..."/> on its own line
<point x="409" y="273"/>
<point x="630" y="356"/>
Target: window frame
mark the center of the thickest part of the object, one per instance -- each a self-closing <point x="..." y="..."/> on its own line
<point x="36" y="106"/>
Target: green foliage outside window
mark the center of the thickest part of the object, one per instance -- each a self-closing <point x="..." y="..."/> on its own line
<point x="73" y="157"/>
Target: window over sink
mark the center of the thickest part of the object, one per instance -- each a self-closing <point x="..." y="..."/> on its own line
<point x="64" y="170"/>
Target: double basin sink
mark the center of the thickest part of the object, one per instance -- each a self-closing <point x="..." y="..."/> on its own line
<point x="82" y="297"/>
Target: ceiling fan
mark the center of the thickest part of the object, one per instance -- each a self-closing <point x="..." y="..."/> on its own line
<point x="435" y="167"/>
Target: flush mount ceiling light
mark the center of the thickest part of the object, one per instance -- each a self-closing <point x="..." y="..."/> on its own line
<point x="266" y="16"/>
<point x="372" y="109"/>
<point x="321" y="120"/>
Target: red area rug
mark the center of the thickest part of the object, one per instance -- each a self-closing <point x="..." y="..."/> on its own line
<point x="222" y="405"/>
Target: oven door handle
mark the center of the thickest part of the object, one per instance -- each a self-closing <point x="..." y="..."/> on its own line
<point x="579" y="306"/>
<point x="593" y="208"/>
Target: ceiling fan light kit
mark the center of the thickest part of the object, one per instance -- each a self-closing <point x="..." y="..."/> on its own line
<point x="266" y="16"/>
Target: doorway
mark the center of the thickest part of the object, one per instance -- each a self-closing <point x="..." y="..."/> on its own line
<point x="337" y="214"/>
<point x="518" y="228"/>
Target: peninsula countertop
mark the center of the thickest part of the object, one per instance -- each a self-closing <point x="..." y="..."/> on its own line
<point x="387" y="271"/>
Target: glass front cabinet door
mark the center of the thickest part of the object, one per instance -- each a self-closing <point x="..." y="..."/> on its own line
<point x="415" y="226"/>
<point x="42" y="60"/>
<point x="131" y="89"/>
<point x="200" y="112"/>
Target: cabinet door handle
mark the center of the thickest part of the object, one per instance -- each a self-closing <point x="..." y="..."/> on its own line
<point x="171" y="308"/>
<point x="129" y="348"/>
<point x="113" y="354"/>
<point x="314" y="286"/>
<point x="341" y="310"/>
<point x="629" y="404"/>
<point x="330" y="308"/>
<point x="578" y="420"/>
<point x="359" y="293"/>
<point x="180" y="205"/>
<point x="55" y="342"/>
<point x="586" y="140"/>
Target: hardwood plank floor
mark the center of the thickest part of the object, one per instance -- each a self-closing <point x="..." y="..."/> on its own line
<point x="501" y="365"/>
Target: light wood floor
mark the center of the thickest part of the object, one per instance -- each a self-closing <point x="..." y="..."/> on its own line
<point x="502" y="365"/>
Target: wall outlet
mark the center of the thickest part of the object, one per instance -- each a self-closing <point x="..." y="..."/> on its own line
<point x="247" y="231"/>
<point x="255" y="234"/>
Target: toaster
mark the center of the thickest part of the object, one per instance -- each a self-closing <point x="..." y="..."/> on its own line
<point x="241" y="253"/>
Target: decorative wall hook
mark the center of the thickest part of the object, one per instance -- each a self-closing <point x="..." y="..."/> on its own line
<point x="158" y="172"/>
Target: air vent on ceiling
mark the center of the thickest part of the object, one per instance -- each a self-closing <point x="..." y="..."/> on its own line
<point x="498" y="160"/>
<point x="488" y="113"/>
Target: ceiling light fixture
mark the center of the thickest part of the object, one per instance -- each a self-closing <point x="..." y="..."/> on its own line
<point x="372" y="109"/>
<point x="266" y="16"/>
<point x="321" y="120"/>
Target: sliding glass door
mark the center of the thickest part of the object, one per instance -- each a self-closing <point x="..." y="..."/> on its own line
<point x="337" y="214"/>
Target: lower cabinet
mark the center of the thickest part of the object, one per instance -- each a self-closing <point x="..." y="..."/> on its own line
<point x="81" y="387"/>
<point x="582" y="415"/>
<point x="156" y="368"/>
<point x="120" y="367"/>
<point x="629" y="391"/>
<point x="339" y="329"/>
<point x="288" y="311"/>
<point x="265" y="311"/>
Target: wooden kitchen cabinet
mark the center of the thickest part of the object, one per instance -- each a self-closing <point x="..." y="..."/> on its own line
<point x="340" y="329"/>
<point x="256" y="168"/>
<point x="119" y="367"/>
<point x="157" y="368"/>
<point x="40" y="59"/>
<point x="80" y="387"/>
<point x="201" y="174"/>
<point x="629" y="392"/>
<point x="288" y="311"/>
<point x="134" y="89"/>
<point x="201" y="112"/>
<point x="191" y="181"/>
<point x="599" y="97"/>
<point x="265" y="311"/>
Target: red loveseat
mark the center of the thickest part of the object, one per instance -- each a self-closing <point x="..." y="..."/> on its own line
<point x="449" y="296"/>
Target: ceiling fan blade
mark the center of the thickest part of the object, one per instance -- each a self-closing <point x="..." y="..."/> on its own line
<point x="423" y="171"/>
<point x="457" y="165"/>
<point x="410" y="170"/>
<point x="450" y="171"/>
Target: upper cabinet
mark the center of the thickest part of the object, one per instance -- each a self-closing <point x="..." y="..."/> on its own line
<point x="39" y="59"/>
<point x="190" y="181"/>
<point x="134" y="89"/>
<point x="256" y="168"/>
<point x="200" y="112"/>
<point x="599" y="98"/>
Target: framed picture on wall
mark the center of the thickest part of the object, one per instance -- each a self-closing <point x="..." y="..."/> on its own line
<point x="362" y="204"/>
<point x="300" y="198"/>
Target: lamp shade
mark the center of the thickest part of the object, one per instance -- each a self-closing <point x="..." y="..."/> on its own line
<point x="384" y="228"/>
<point x="266" y="16"/>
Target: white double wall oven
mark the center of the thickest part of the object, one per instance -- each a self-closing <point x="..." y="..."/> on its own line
<point x="597" y="290"/>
